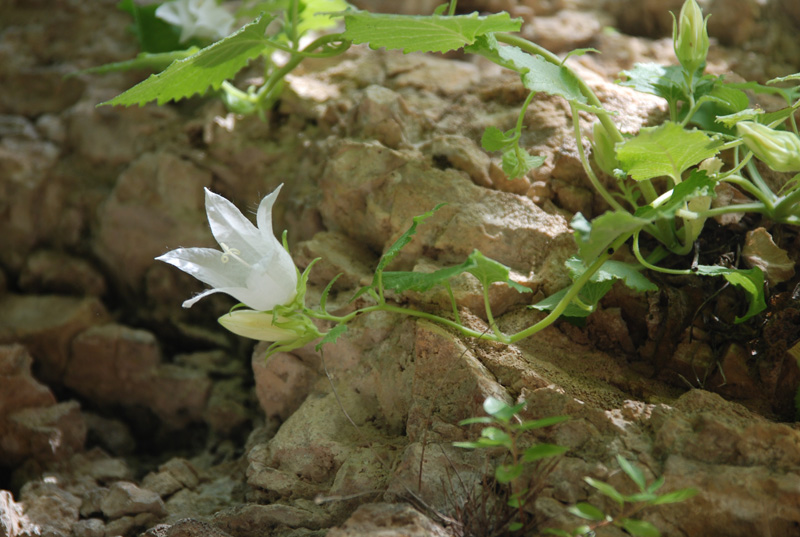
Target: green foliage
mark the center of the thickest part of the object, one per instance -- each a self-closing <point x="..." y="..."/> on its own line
<point x="667" y="150"/>
<point x="154" y="35"/>
<point x="208" y="68"/>
<point x="504" y="430"/>
<point x="151" y="61"/>
<point x="435" y="33"/>
<point x="404" y="239"/>
<point x="538" y="74"/>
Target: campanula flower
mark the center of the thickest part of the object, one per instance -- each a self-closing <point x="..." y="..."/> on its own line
<point x="252" y="266"/>
<point x="203" y="19"/>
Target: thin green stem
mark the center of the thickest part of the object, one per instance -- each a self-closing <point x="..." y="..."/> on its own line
<point x="598" y="186"/>
<point x="755" y="207"/>
<point x="574" y="289"/>
<point x="449" y="289"/>
<point x="750" y="188"/>
<point x="647" y="265"/>
<point x="452" y="9"/>
<point x="489" y="317"/>
<point x="755" y="176"/>
<point x="293" y="19"/>
<point x="586" y="91"/>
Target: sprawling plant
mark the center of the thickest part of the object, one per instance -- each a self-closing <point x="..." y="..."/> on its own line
<point x="665" y="179"/>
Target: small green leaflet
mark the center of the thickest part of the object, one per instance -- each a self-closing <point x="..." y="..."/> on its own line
<point x="208" y="68"/>
<point x="667" y="150"/>
<point x="404" y="239"/>
<point x="335" y="333"/>
<point x="537" y="74"/>
<point x="666" y="82"/>
<point x="517" y="162"/>
<point x="157" y="61"/>
<point x="483" y="268"/>
<point x="434" y="33"/>
<point x="751" y="281"/>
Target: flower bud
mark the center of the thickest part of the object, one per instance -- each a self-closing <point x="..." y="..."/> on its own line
<point x="690" y="36"/>
<point x="780" y="150"/>
<point x="258" y="325"/>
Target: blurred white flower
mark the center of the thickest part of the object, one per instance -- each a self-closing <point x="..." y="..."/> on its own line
<point x="203" y="19"/>
<point x="253" y="266"/>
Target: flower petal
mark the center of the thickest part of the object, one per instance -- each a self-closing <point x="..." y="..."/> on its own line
<point x="230" y="227"/>
<point x="207" y="265"/>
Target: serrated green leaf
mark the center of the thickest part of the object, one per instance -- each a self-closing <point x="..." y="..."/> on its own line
<point x="734" y="100"/>
<point x="323" y="301"/>
<point x="494" y="139"/>
<point x="506" y="473"/>
<point x="543" y="451"/>
<point x="487" y="271"/>
<point x="667" y="150"/>
<point x="587" y="511"/>
<point x="516" y="162"/>
<point x="787" y="78"/>
<point x="145" y="60"/>
<point x="404" y="239"/>
<point x="659" y="80"/>
<point x="335" y="333"/>
<point x="788" y="94"/>
<point x="575" y="309"/>
<point x="208" y="68"/>
<point x="675" y="496"/>
<point x="606" y="490"/>
<point x="421" y="281"/>
<point x="751" y="281"/>
<point x="633" y="472"/>
<point x="640" y="528"/>
<point x="537" y="74"/>
<point x="697" y="184"/>
<point x="434" y="33"/>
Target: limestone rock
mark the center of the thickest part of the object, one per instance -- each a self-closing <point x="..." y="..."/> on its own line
<point x="282" y="382"/>
<point x="121" y="365"/>
<point x="46" y="325"/>
<point x="251" y="520"/>
<point x="52" y="510"/>
<point x="32" y="424"/>
<point x="51" y="271"/>
<point x="124" y="498"/>
<point x="388" y="520"/>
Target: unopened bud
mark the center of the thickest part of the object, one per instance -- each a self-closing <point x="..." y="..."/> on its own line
<point x="259" y="325"/>
<point x="690" y="36"/>
<point x="780" y="150"/>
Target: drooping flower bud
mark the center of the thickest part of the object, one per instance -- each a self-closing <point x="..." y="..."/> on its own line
<point x="690" y="36"/>
<point x="263" y="326"/>
<point x="780" y="150"/>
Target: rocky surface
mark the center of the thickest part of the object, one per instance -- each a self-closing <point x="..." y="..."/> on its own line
<point x="122" y="414"/>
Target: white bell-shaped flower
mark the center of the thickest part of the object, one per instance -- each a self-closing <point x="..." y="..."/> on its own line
<point x="203" y="19"/>
<point x="253" y="266"/>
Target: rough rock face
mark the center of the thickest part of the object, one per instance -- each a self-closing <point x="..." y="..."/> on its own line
<point x="103" y="377"/>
